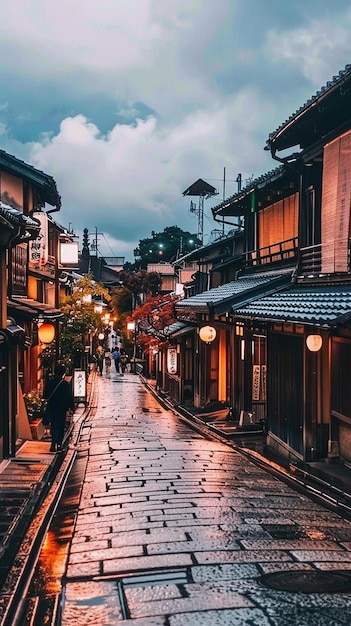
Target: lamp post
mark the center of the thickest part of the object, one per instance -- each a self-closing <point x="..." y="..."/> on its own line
<point x="131" y="326"/>
<point x="314" y="343"/>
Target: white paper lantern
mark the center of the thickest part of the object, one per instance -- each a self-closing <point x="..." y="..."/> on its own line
<point x="314" y="343"/>
<point x="207" y="334"/>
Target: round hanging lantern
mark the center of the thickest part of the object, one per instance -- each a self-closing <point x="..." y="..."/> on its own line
<point x="101" y="336"/>
<point x="314" y="343"/>
<point x="207" y="334"/>
<point x="46" y="332"/>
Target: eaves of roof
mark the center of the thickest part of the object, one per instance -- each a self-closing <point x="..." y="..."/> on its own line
<point x="46" y="184"/>
<point x="178" y="328"/>
<point x="233" y="262"/>
<point x="16" y="227"/>
<point x="221" y="299"/>
<point x="335" y="86"/>
<point x="239" y="203"/>
<point x="198" y="253"/>
<point x="321" y="306"/>
<point x="31" y="309"/>
<point x="17" y="218"/>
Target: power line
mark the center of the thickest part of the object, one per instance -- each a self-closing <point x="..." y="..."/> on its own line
<point x="108" y="245"/>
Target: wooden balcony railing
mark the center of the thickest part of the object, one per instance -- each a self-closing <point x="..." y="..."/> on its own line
<point x="274" y="253"/>
<point x="310" y="261"/>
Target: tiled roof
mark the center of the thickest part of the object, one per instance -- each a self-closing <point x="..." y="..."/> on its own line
<point x="335" y="83"/>
<point x="202" y="250"/>
<point x="257" y="183"/>
<point x="32" y="308"/>
<point x="244" y="287"/>
<point x="177" y="328"/>
<point x="16" y="218"/>
<point x="318" y="306"/>
<point x="42" y="181"/>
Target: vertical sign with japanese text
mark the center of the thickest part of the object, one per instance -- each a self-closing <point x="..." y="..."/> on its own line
<point x="172" y="361"/>
<point x="38" y="248"/>
<point x="79" y="385"/>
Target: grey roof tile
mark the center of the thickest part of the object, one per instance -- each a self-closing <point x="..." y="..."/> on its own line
<point x="240" y="287"/>
<point x="343" y="75"/>
<point x="317" y="306"/>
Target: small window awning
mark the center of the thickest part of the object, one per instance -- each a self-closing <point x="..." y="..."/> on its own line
<point x="222" y="299"/>
<point x="322" y="306"/>
<point x="30" y="309"/>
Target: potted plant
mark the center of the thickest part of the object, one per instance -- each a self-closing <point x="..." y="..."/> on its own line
<point x="34" y="405"/>
<point x="33" y="402"/>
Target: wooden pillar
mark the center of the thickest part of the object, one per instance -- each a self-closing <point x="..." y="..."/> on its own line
<point x="3" y="288"/>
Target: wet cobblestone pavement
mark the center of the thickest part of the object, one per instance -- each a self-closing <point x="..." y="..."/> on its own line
<point x="176" y="530"/>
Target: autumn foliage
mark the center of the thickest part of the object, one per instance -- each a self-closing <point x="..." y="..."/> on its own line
<point x="152" y="318"/>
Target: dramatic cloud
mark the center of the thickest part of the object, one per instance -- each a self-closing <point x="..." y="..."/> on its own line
<point x="128" y="102"/>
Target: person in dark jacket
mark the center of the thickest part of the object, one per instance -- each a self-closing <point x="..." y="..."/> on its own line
<point x="100" y="362"/>
<point x="60" y="400"/>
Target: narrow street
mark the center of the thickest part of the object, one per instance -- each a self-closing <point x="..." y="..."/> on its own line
<point x="173" y="529"/>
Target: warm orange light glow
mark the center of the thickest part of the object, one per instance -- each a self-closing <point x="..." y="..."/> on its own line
<point x="207" y="334"/>
<point x="46" y="333"/>
<point x="314" y="343"/>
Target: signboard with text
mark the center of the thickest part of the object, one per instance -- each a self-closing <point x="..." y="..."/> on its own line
<point x="79" y="386"/>
<point x="172" y="361"/>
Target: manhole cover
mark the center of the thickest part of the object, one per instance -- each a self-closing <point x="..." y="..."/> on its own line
<point x="308" y="582"/>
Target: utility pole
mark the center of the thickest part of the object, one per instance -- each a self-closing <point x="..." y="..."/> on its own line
<point x="223" y="198"/>
<point x="94" y="245"/>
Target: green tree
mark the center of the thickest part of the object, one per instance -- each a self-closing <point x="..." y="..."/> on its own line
<point x="166" y="246"/>
<point x="80" y="319"/>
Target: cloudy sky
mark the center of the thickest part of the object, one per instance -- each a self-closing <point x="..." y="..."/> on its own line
<point x="126" y="103"/>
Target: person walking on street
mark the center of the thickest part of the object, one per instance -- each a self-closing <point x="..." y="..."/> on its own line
<point x="108" y="363"/>
<point x="100" y="362"/>
<point x="123" y="361"/>
<point x="116" y="358"/>
<point x="60" y="400"/>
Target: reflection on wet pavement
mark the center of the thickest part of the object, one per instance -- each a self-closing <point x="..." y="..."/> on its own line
<point x="174" y="529"/>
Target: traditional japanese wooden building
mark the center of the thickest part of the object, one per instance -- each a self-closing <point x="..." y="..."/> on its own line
<point x="283" y="325"/>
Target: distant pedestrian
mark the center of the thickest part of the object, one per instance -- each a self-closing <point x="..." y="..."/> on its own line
<point x="60" y="400"/>
<point x="116" y="359"/>
<point x="108" y="363"/>
<point x="123" y="361"/>
<point x="100" y="362"/>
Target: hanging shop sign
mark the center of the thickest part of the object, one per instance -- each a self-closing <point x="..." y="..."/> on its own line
<point x="172" y="361"/>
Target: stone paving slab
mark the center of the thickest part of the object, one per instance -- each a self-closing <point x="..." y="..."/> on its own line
<point x="174" y="529"/>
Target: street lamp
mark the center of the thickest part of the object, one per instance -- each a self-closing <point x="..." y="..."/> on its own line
<point x="131" y="326"/>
